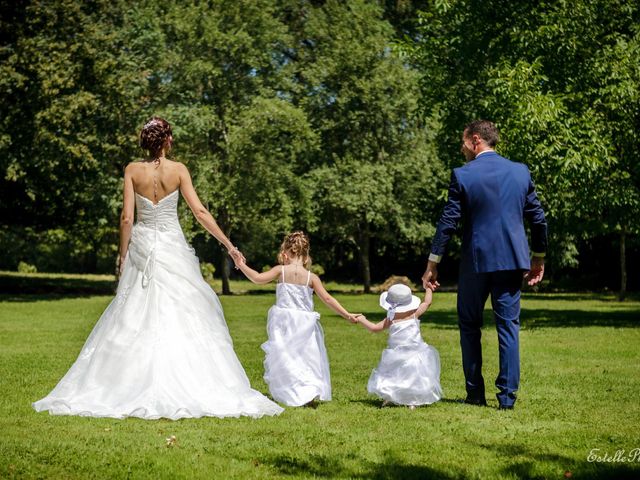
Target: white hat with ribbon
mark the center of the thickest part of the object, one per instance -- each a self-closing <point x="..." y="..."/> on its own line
<point x="398" y="299"/>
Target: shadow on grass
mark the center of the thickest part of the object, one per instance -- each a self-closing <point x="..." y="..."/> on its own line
<point x="15" y="288"/>
<point x="541" y="318"/>
<point x="606" y="297"/>
<point x="526" y="464"/>
<point x="330" y="467"/>
<point x="376" y="403"/>
<point x="369" y="402"/>
<point x="522" y="463"/>
<point x="31" y="288"/>
<point x="25" y="288"/>
<point x="546" y="318"/>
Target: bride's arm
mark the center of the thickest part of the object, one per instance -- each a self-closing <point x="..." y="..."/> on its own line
<point x="201" y="213"/>
<point x="126" y="217"/>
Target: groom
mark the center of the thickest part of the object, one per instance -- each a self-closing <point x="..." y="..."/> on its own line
<point x="491" y="196"/>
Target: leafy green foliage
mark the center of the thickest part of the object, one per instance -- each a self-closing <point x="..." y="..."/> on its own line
<point x="375" y="173"/>
<point x="561" y="81"/>
<point x="340" y="118"/>
<point x="276" y="107"/>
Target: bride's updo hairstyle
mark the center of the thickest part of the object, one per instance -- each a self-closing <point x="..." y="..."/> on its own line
<point x="297" y="244"/>
<point x="154" y="135"/>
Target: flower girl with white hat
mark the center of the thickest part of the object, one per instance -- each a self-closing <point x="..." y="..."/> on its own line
<point x="409" y="369"/>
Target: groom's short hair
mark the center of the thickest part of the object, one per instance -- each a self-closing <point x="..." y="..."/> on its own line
<point x="485" y="129"/>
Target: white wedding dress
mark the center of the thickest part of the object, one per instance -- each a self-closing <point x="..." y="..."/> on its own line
<point x="409" y="369"/>
<point x="162" y="347"/>
<point x="296" y="366"/>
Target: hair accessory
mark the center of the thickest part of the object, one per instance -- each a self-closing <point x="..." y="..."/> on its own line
<point x="151" y="123"/>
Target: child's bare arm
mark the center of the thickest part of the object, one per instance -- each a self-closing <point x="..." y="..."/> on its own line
<point x="260" y="278"/>
<point x="373" y="327"/>
<point x="426" y="303"/>
<point x="328" y="300"/>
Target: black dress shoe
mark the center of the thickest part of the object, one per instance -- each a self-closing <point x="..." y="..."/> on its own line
<point x="505" y="407"/>
<point x="481" y="402"/>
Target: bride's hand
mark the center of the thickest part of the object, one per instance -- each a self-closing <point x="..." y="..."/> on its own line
<point x="237" y="256"/>
<point x="119" y="265"/>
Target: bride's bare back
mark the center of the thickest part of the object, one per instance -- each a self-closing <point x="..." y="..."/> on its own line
<point x="156" y="179"/>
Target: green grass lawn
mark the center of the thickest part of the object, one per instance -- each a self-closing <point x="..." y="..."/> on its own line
<point x="580" y="391"/>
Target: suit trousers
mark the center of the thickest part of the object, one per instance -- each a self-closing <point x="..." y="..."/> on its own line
<point x="473" y="291"/>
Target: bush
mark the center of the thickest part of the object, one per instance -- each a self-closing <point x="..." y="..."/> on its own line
<point x="207" y="270"/>
<point x="24" y="267"/>
<point x="58" y="250"/>
<point x="317" y="269"/>
<point x="392" y="280"/>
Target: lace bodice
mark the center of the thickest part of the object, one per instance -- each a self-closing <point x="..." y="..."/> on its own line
<point x="298" y="297"/>
<point x="162" y="216"/>
<point x="406" y="332"/>
<point x="157" y="229"/>
<point x="292" y="295"/>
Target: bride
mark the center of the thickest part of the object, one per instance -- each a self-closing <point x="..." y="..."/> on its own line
<point x="162" y="347"/>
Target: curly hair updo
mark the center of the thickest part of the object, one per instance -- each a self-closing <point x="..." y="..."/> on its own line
<point x="154" y="135"/>
<point x="296" y="243"/>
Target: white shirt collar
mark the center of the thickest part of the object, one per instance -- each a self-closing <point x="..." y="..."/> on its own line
<point x="485" y="151"/>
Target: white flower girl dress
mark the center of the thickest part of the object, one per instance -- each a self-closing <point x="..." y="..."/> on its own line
<point x="296" y="364"/>
<point x="409" y="370"/>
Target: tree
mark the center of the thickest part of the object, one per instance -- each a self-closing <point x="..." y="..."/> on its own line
<point x="221" y="80"/>
<point x="69" y="88"/>
<point x="269" y="143"/>
<point x="556" y="78"/>
<point x="362" y="101"/>
<point x="616" y="96"/>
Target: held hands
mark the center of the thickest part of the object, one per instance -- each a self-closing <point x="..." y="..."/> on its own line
<point x="359" y="317"/>
<point x="237" y="257"/>
<point x="354" y="317"/>
<point x="536" y="273"/>
<point x="429" y="279"/>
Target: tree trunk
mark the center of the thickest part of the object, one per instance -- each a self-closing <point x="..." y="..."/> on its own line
<point x="223" y="221"/>
<point x="90" y="260"/>
<point x="224" y="263"/>
<point x="226" y="272"/>
<point x="364" y="241"/>
<point x="623" y="266"/>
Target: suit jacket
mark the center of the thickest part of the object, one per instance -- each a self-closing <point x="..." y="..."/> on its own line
<point x="492" y="196"/>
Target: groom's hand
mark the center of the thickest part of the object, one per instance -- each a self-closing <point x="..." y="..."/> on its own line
<point x="430" y="277"/>
<point x="536" y="273"/>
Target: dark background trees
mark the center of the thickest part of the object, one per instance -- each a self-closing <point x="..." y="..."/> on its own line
<point x="340" y="118"/>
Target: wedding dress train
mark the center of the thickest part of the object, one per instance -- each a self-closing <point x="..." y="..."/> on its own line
<point x="162" y="347"/>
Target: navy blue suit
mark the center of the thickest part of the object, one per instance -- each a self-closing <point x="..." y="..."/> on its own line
<point x="492" y="196"/>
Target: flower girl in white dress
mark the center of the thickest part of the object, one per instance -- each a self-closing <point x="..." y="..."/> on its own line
<point x="296" y="364"/>
<point x="409" y="369"/>
<point x="162" y="347"/>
